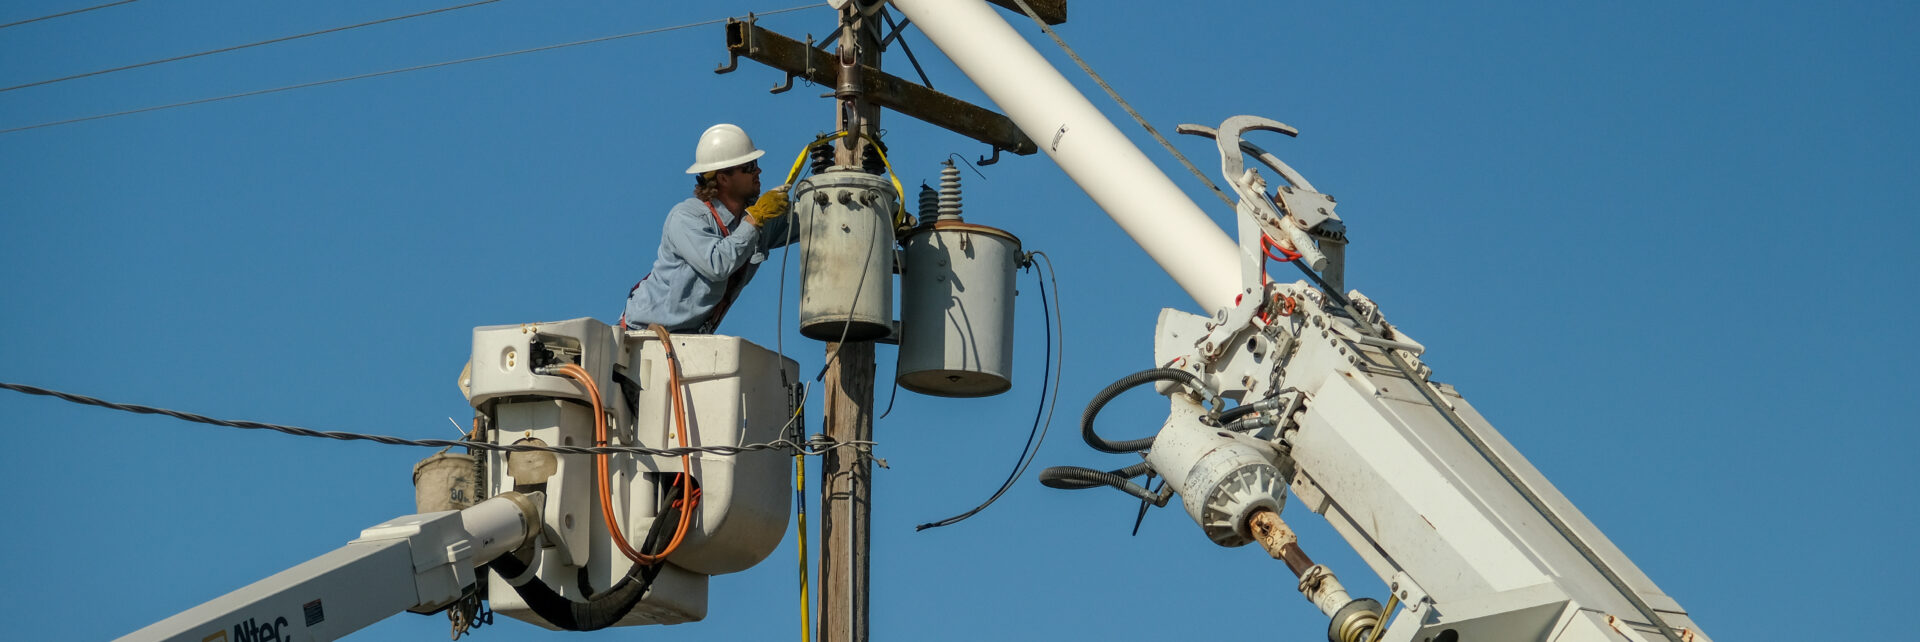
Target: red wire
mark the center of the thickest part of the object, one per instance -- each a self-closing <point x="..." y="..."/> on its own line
<point x="1268" y="242"/>
<point x="1267" y="245"/>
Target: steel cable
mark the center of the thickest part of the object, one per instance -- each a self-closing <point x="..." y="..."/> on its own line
<point x="810" y="447"/>
<point x="390" y="72"/>
<point x="1115" y="95"/>
<point x="210" y="52"/>
<point x="64" y="13"/>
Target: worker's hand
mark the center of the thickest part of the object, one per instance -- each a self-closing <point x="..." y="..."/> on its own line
<point x="771" y="205"/>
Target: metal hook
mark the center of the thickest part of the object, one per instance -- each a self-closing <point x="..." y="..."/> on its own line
<point x="1267" y="158"/>
<point x="985" y="161"/>
<point x="782" y="87"/>
<point x="733" y="62"/>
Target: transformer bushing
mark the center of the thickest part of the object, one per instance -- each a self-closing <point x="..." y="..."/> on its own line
<point x="957" y="290"/>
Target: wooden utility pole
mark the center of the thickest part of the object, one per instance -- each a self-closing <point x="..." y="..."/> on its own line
<point x="861" y="90"/>
<point x="846" y="489"/>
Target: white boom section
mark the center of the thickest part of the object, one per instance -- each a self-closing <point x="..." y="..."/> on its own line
<point x="1147" y="205"/>
<point x="417" y="562"/>
<point x="1458" y="539"/>
<point x="1460" y="546"/>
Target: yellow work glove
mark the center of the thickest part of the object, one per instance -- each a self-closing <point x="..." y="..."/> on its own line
<point x="772" y="205"/>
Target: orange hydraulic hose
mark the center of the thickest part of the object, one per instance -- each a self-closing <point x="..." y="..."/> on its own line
<point x="601" y="475"/>
<point x="600" y="461"/>
<point x="690" y="497"/>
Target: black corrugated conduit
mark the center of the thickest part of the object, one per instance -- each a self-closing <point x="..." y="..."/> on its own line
<point x="1126" y="383"/>
<point x="1076" y="478"/>
<point x="609" y="606"/>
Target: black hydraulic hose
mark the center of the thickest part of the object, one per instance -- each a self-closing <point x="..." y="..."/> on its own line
<point x="1269" y="404"/>
<point x="610" y="606"/>
<point x="1245" y="409"/>
<point x="1126" y="383"/>
<point x="1075" y="477"/>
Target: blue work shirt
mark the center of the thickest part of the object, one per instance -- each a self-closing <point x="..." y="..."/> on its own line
<point x="696" y="257"/>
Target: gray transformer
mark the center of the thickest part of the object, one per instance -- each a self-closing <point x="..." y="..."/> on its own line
<point x="846" y="243"/>
<point x="956" y="310"/>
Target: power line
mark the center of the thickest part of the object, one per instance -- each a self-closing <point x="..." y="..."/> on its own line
<point x="210" y="52"/>
<point x="64" y="13"/>
<point x="813" y="447"/>
<point x="390" y="72"/>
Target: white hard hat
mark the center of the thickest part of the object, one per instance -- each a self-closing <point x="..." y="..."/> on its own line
<point x="722" y="146"/>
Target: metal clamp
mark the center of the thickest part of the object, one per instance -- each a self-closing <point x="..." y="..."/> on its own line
<point x="1413" y="610"/>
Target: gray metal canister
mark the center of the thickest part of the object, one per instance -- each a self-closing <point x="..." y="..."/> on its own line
<point x="956" y="310"/>
<point x="846" y="243"/>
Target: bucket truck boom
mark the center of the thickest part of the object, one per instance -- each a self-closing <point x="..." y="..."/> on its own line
<point x="1334" y="402"/>
<point x="415" y="563"/>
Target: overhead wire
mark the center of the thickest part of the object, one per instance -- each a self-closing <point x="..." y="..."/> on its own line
<point x="1038" y="436"/>
<point x="65" y="13"/>
<point x="401" y="70"/>
<point x="813" y="447"/>
<point x="249" y="45"/>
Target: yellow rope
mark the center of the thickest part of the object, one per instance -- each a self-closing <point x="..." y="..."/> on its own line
<point x="806" y="601"/>
<point x="900" y="193"/>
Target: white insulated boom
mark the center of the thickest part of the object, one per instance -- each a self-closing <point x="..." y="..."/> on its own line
<point x="1471" y="541"/>
<point x="1147" y="205"/>
<point x="416" y="562"/>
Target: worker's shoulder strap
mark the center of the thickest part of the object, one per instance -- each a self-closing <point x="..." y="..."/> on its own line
<point x="724" y="230"/>
<point x="735" y="282"/>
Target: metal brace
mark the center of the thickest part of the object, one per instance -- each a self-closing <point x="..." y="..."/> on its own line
<point x="788" y="85"/>
<point x="898" y="28"/>
<point x="733" y="58"/>
<point x="1228" y="322"/>
<point x="1415" y="609"/>
<point x="983" y="161"/>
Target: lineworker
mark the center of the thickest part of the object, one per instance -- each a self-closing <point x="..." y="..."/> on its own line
<point x="711" y="244"/>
